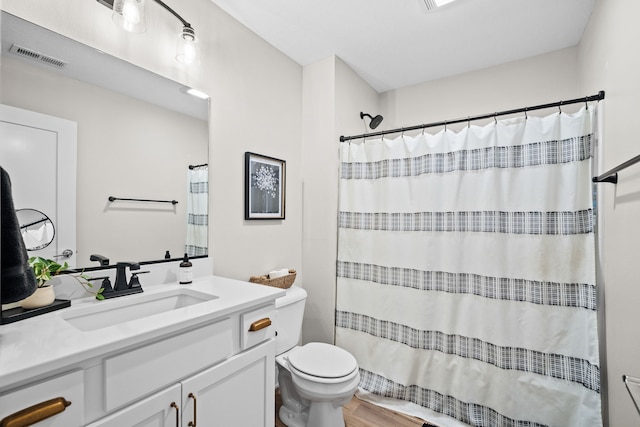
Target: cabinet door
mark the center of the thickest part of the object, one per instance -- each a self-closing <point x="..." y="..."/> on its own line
<point x="159" y="410"/>
<point x="237" y="392"/>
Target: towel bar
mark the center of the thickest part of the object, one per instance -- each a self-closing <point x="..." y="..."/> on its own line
<point x="113" y="199"/>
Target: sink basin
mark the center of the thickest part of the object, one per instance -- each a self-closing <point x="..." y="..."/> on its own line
<point x="128" y="308"/>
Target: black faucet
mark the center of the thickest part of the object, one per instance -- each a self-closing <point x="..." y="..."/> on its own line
<point x="121" y="287"/>
<point x="121" y="274"/>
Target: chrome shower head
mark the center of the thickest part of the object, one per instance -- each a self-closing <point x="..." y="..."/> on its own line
<point x="375" y="121"/>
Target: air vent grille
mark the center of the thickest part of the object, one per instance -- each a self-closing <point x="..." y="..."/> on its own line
<point x="37" y="56"/>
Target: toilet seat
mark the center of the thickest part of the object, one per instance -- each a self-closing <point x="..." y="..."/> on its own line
<point x="322" y="362"/>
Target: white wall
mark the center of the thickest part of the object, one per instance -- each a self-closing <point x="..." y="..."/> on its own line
<point x="609" y="60"/>
<point x="538" y="80"/>
<point x="256" y="96"/>
<point x="333" y="96"/>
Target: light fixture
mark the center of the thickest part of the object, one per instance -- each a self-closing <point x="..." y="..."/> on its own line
<point x="130" y="16"/>
<point x="375" y="121"/>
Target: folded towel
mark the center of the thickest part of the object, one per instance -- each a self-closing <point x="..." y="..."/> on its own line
<point x="17" y="280"/>
<point x="278" y="273"/>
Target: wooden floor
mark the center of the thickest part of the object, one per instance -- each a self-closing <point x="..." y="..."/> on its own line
<point x="358" y="413"/>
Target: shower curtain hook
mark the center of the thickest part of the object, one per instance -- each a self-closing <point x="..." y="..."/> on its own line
<point x="586" y="103"/>
<point x="468" y="122"/>
<point x="560" y="107"/>
<point x="402" y="134"/>
<point x="423" y="130"/>
<point x="445" y="126"/>
<point x="495" y="117"/>
<point x="526" y="117"/>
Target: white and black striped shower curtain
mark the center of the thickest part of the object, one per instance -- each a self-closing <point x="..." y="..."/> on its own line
<point x="466" y="273"/>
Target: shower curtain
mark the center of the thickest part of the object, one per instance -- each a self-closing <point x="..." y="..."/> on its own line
<point x="466" y="273"/>
<point x="197" y="209"/>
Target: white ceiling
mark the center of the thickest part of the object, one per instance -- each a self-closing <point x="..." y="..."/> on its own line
<point x="397" y="43"/>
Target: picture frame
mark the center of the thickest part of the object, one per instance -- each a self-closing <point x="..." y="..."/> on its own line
<point x="265" y="187"/>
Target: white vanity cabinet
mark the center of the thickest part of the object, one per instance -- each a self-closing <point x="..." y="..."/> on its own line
<point x="205" y="365"/>
<point x="238" y="391"/>
<point x="220" y="373"/>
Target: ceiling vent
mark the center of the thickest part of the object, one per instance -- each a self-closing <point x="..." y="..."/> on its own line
<point x="433" y="4"/>
<point x="36" y="56"/>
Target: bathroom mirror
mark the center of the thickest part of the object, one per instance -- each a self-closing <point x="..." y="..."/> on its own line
<point x="137" y="135"/>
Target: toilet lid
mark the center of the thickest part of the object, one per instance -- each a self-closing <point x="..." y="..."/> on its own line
<point x="323" y="360"/>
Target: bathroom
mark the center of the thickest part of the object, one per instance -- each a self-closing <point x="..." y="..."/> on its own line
<point x="281" y="109"/>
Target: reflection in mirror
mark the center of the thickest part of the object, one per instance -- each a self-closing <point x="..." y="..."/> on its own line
<point x="36" y="228"/>
<point x="137" y="135"/>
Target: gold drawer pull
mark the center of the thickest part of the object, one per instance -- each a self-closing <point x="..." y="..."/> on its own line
<point x="35" y="413"/>
<point x="260" y="324"/>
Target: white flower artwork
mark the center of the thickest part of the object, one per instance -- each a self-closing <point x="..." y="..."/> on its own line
<point x="264" y="188"/>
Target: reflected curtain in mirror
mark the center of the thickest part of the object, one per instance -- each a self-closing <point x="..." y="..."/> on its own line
<point x="197" y="212"/>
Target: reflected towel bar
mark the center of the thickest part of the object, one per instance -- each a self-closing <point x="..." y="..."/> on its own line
<point x="612" y="175"/>
<point x="198" y="166"/>
<point x="113" y="199"/>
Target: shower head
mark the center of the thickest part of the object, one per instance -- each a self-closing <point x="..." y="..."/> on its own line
<point x="375" y="121"/>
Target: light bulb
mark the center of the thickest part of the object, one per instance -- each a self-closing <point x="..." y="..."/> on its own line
<point x="187" y="46"/>
<point x="129" y="15"/>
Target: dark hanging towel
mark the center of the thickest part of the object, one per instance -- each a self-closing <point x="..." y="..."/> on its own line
<point x="17" y="280"/>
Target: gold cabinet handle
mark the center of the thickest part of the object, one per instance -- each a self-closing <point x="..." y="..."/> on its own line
<point x="36" y="413"/>
<point x="174" y="405"/>
<point x="193" y="423"/>
<point x="260" y="324"/>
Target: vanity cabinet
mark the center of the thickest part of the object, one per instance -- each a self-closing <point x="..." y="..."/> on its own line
<point x="207" y="363"/>
<point x="238" y="391"/>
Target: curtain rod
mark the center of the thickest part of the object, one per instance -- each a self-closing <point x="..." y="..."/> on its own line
<point x="598" y="97"/>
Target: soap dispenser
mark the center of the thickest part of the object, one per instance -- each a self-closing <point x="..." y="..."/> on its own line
<point x="186" y="271"/>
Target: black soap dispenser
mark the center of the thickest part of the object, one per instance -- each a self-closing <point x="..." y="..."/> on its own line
<point x="186" y="271"/>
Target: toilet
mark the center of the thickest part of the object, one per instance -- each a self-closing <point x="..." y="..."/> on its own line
<point x="316" y="380"/>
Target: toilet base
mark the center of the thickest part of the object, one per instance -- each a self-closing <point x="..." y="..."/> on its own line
<point x="292" y="419"/>
<point x="323" y="414"/>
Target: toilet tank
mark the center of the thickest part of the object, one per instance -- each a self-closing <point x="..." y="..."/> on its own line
<point x="288" y="321"/>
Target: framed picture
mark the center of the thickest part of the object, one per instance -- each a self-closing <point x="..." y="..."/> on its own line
<point x="264" y="189"/>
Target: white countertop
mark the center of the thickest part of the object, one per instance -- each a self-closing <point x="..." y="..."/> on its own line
<point x="47" y="343"/>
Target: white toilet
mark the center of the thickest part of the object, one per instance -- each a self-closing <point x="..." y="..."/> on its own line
<point x="315" y="379"/>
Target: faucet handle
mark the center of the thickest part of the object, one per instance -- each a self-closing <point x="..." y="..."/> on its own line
<point x="134" y="282"/>
<point x="106" y="283"/>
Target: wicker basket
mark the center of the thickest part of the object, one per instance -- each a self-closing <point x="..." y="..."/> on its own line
<point x="283" y="282"/>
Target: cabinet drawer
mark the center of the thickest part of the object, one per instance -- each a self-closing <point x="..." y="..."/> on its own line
<point x="259" y="319"/>
<point x="139" y="372"/>
<point x="69" y="386"/>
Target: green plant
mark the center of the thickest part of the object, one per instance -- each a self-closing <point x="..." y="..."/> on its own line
<point x="44" y="269"/>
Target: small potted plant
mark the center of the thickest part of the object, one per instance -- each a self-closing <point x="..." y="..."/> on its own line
<point x="45" y="270"/>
